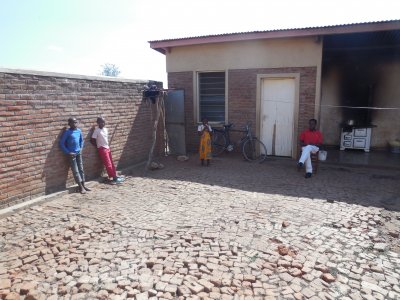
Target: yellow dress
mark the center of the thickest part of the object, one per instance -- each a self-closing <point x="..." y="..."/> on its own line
<point x="205" y="146"/>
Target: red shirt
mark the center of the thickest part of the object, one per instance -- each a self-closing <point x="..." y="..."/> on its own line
<point x="309" y="137"/>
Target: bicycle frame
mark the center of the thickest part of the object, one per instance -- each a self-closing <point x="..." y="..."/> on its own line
<point x="252" y="148"/>
<point x="248" y="135"/>
<point x="226" y="132"/>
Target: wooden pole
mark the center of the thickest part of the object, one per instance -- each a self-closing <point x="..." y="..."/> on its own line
<point x="160" y="102"/>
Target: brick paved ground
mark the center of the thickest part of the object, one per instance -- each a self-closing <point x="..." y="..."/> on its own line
<point x="233" y="230"/>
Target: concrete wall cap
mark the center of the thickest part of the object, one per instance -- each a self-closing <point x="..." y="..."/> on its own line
<point x="72" y="76"/>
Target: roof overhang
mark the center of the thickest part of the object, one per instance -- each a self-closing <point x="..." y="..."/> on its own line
<point x="164" y="46"/>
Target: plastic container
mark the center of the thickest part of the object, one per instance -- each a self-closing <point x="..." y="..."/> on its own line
<point x="322" y="154"/>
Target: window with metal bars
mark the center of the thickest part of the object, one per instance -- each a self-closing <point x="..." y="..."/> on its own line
<point x="212" y="96"/>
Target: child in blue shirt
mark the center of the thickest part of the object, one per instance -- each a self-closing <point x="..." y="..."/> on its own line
<point x="71" y="144"/>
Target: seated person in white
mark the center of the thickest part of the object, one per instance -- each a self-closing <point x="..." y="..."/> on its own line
<point x="310" y="141"/>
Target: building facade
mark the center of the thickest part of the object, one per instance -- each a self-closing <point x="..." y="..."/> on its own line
<point x="278" y="80"/>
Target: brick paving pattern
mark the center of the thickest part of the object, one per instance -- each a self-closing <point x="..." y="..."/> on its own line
<point x="233" y="230"/>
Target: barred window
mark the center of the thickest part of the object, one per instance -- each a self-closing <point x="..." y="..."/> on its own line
<point x="212" y="96"/>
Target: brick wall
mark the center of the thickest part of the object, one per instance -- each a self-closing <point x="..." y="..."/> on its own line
<point x="34" y="108"/>
<point x="242" y="91"/>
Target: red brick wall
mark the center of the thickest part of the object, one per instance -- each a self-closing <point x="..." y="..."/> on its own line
<point x="33" y="114"/>
<point x="242" y="91"/>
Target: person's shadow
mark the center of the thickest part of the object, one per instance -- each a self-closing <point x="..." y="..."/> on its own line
<point x="56" y="166"/>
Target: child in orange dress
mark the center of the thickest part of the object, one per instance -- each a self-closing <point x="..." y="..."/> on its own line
<point x="204" y="130"/>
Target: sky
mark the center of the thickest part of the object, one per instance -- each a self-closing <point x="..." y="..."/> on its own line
<point x="79" y="36"/>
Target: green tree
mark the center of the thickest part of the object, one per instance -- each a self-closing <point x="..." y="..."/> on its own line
<point x="110" y="70"/>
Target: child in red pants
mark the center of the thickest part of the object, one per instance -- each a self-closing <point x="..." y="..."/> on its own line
<point x="100" y="140"/>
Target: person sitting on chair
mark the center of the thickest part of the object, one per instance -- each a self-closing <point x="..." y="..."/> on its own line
<point x="310" y="141"/>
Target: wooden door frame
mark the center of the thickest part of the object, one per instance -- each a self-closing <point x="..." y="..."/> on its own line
<point x="296" y="77"/>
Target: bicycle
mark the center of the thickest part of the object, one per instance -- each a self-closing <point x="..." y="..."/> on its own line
<point x="253" y="149"/>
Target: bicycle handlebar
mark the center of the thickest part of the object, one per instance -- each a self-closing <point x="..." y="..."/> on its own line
<point x="229" y="126"/>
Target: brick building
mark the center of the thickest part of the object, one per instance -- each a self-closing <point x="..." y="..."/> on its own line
<point x="279" y="79"/>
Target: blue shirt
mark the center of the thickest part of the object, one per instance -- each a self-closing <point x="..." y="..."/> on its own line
<point x="71" y="141"/>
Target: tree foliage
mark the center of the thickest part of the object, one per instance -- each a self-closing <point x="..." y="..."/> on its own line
<point x="110" y="70"/>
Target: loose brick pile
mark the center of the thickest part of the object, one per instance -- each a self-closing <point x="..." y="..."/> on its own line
<point x="232" y="231"/>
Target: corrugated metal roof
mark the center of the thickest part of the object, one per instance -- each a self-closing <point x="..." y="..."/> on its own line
<point x="274" y="30"/>
<point x="162" y="45"/>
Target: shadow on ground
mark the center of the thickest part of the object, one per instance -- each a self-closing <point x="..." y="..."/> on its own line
<point x="363" y="186"/>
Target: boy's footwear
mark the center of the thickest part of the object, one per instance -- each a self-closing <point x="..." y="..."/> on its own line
<point x="85" y="187"/>
<point x="308" y="175"/>
<point x="118" y="180"/>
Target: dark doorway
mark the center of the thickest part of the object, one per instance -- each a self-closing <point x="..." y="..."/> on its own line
<point x="359" y="85"/>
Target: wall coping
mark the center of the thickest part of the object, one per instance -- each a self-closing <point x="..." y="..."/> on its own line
<point x="72" y="76"/>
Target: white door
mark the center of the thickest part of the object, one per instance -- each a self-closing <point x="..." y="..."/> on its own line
<point x="277" y="115"/>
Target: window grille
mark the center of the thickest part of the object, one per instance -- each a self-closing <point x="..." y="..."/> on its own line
<point x="212" y="96"/>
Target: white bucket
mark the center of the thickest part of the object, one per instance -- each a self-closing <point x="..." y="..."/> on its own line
<point x="322" y="154"/>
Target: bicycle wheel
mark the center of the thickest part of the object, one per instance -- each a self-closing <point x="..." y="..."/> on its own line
<point x="254" y="150"/>
<point x="218" y="143"/>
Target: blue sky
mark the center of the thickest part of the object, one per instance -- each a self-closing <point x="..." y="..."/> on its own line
<point x="78" y="36"/>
